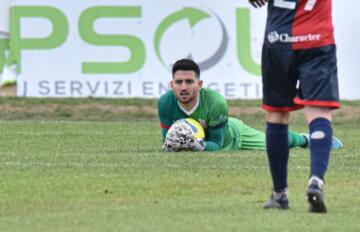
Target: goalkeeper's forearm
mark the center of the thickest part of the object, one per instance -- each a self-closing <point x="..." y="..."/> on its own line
<point x="211" y="146"/>
<point x="163" y="134"/>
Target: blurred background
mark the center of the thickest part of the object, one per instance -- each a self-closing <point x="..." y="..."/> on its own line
<point x="124" y="49"/>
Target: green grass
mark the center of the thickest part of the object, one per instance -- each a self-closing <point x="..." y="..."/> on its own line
<point x="98" y="175"/>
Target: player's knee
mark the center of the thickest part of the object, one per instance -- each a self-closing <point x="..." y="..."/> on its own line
<point x="278" y="117"/>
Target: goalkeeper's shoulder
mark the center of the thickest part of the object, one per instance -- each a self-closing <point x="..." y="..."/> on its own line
<point x="166" y="100"/>
<point x="214" y="98"/>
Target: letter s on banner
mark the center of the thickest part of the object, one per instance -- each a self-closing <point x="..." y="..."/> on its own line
<point x="134" y="44"/>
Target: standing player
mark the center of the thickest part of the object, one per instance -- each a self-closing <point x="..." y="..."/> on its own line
<point x="299" y="70"/>
<point x="188" y="99"/>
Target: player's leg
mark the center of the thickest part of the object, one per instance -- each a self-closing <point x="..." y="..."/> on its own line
<point x="335" y="144"/>
<point x="320" y="128"/>
<point x="319" y="94"/>
<point x="297" y="139"/>
<point x="279" y="88"/>
<point x="320" y="148"/>
<point x="246" y="137"/>
<point x="277" y="146"/>
<point x="303" y="140"/>
<point x="249" y="138"/>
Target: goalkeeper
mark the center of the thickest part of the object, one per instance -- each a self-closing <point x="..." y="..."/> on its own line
<point x="188" y="99"/>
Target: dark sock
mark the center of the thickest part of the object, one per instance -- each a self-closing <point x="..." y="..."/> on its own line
<point x="277" y="145"/>
<point x="320" y="146"/>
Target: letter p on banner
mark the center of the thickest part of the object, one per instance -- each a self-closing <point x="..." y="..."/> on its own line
<point x="60" y="29"/>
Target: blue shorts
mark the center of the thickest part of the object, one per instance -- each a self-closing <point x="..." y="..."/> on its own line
<point x="293" y="79"/>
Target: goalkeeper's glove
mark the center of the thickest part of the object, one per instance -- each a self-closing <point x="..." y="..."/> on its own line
<point x="175" y="138"/>
<point x="195" y="144"/>
<point x="180" y="136"/>
<point x="188" y="141"/>
<point x="171" y="143"/>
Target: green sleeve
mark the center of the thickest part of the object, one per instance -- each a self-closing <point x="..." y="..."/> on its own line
<point x="217" y="122"/>
<point x="215" y="138"/>
<point x="165" y="119"/>
<point x="163" y="134"/>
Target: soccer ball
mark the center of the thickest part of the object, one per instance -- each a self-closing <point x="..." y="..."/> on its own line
<point x="185" y="134"/>
<point x="196" y="127"/>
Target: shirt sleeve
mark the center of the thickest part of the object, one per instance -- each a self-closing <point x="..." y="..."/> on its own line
<point x="215" y="138"/>
<point x="165" y="120"/>
<point x="217" y="124"/>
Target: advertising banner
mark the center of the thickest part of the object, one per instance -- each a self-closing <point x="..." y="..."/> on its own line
<point x="112" y="48"/>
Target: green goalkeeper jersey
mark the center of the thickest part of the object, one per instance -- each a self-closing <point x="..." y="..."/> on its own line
<point x="221" y="132"/>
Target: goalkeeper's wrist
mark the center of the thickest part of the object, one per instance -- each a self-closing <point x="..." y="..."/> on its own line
<point x="200" y="146"/>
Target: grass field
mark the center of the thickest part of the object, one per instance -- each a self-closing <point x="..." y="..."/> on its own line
<point x="96" y="165"/>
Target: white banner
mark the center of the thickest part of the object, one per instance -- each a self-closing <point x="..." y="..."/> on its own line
<point x="114" y="48"/>
<point x="4" y="15"/>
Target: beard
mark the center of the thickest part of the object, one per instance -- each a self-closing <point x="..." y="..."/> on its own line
<point x="186" y="97"/>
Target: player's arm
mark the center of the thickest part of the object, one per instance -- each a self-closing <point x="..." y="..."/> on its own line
<point x="217" y="123"/>
<point x="165" y="121"/>
<point x="215" y="138"/>
<point x="163" y="133"/>
<point x="171" y="141"/>
<point x="258" y="3"/>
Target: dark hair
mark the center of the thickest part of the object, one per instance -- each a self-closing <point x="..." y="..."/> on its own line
<point x="186" y="65"/>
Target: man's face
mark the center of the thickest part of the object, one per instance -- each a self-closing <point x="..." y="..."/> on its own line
<point x="186" y="86"/>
